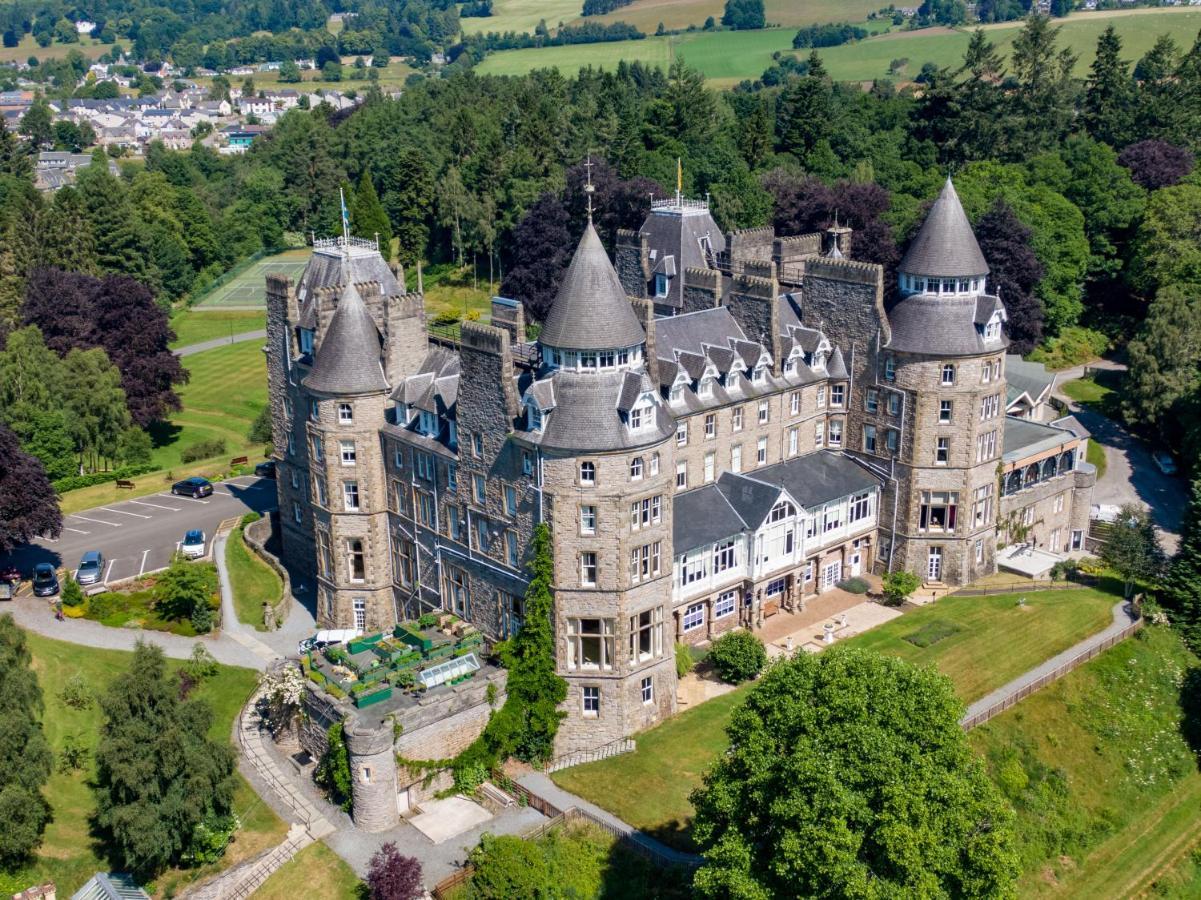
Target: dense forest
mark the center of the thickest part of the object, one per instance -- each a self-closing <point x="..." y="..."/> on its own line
<point x="1083" y="193"/>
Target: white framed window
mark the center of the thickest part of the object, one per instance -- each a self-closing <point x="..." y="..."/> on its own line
<point x="724" y="604"/>
<point x="345" y="413"/>
<point x="398" y="458"/>
<point x="860" y="507"/>
<point x="982" y="505"/>
<point x="938" y="510"/>
<point x="948" y="373"/>
<point x="945" y="408"/>
<point x="587" y="520"/>
<point x="890" y="368"/>
<point x="319" y="483"/>
<point x="694" y="617"/>
<point x="1058" y="503"/>
<point x="479" y="488"/>
<point x="588" y="473"/>
<point x="821" y="396"/>
<point x="477" y="444"/>
<point x="725" y="556"/>
<point x="871" y="400"/>
<point x="646" y="635"/>
<point x="314" y="410"/>
<point x="591" y="695"/>
<point x="318" y="449"/>
<point x="348" y="452"/>
<point x="511" y="548"/>
<point x="533" y="417"/>
<point x="648" y="690"/>
<point x="662" y="284"/>
<point x="759" y="375"/>
<point x="590" y="644"/>
<point x="894" y="403"/>
<point x="510" y="500"/>
<point x="794" y="440"/>
<point x="452" y="477"/>
<point x="764" y="412"/>
<point x="654" y="464"/>
<point x="736" y="419"/>
<point x="710" y="426"/>
<point x="979" y="551"/>
<point x="838" y="394"/>
<point x="836" y="432"/>
<point x="681" y="474"/>
<point x="942" y="451"/>
<point x="869" y="438"/>
<point x="588" y="568"/>
<point x="645" y="562"/>
<point x="794" y="403"/>
<point x="636" y="469"/>
<point x="892" y="440"/>
<point x="736" y="458"/>
<point x="681" y="433"/>
<point x="710" y="466"/>
<point x="425" y="465"/>
<point x="761" y="451"/>
<point x="360" y="622"/>
<point x="350" y="495"/>
<point x="819" y="434"/>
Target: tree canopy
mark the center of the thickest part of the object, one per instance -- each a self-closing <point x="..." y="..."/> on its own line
<point x="848" y="775"/>
<point x="26" y="753"/>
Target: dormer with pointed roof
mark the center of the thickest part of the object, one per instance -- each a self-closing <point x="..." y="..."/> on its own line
<point x="944" y="256"/>
<point x="348" y="360"/>
<point x="591" y="313"/>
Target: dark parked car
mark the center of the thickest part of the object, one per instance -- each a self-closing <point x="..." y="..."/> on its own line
<point x="11" y="575"/>
<point x="45" y="580"/>
<point x="194" y="487"/>
<point x="265" y="469"/>
<point x="91" y="568"/>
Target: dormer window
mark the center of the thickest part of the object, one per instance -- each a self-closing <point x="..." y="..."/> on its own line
<point x="427" y="423"/>
<point x="662" y="284"/>
<point x="706" y="387"/>
<point x="677" y="393"/>
<point x="306" y="341"/>
<point x="759" y="375"/>
<point x="533" y="417"/>
<point x="642" y="417"/>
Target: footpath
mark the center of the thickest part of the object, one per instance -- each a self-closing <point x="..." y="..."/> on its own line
<point x="221" y="342"/>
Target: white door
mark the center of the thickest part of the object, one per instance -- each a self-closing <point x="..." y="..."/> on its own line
<point x="856" y="563"/>
<point x="1077" y="540"/>
<point x="934" y="564"/>
<point x="831" y="575"/>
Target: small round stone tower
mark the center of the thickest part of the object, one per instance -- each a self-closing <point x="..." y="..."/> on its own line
<point x="372" y="774"/>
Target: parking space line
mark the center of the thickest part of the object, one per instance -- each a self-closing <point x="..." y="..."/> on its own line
<point x="123" y="512"/>
<point x="76" y="530"/>
<point x="108" y="570"/>
<point x="142" y="567"/>
<point x="98" y="521"/>
<point x="155" y="505"/>
<point x="178" y="497"/>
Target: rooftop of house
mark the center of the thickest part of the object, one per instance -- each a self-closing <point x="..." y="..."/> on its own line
<point x="1024" y="438"/>
<point x="1026" y="378"/>
<point x="945" y="246"/>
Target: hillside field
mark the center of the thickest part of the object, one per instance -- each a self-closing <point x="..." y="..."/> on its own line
<point x="523" y="15"/>
<point x="727" y="57"/>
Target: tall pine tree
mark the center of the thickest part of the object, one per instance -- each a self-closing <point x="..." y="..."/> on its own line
<point x="367" y="217"/>
<point x="23" y="746"/>
<point x="408" y="186"/>
<point x="1108" y="101"/>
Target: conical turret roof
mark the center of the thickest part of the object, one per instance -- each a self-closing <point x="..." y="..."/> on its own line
<point x="348" y="360"/>
<point x="945" y="245"/>
<point x="591" y="310"/>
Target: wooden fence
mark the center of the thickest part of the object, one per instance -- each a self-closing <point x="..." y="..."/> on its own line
<point x="970" y="722"/>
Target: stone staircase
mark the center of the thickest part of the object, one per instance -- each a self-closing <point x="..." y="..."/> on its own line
<point x="243" y="880"/>
<point x="929" y="592"/>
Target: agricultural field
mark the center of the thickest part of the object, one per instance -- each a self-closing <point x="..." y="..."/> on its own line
<point x="958" y="635"/>
<point x="392" y="77"/>
<point x="248" y="288"/>
<point x="727" y="57"/>
<point x="28" y="47"/>
<point x="523" y="15"/>
<point x="68" y="853"/>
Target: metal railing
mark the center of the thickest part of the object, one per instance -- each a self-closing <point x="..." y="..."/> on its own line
<point x="579" y="757"/>
<point x="1018" y="587"/>
<point x="970" y="722"/>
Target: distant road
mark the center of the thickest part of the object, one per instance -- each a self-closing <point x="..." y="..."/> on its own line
<point x="221" y="342"/>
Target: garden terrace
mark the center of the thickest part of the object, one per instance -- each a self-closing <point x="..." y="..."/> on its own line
<point x="400" y="667"/>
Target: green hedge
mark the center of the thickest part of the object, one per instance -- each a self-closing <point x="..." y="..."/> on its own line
<point x="75" y="482"/>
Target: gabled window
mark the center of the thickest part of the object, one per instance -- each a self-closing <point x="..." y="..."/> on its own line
<point x="662" y="284"/>
<point x="533" y="417"/>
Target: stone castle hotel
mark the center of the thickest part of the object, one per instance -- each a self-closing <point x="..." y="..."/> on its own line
<point x="715" y="426"/>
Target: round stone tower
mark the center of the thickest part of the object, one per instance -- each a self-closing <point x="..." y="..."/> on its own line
<point x="372" y="774"/>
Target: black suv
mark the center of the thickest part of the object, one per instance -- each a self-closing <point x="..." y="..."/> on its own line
<point x="195" y="487"/>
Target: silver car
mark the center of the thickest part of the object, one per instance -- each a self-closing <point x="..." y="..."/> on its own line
<point x="91" y="568"/>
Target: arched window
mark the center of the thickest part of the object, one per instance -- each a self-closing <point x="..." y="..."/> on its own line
<point x="1049" y="467"/>
<point x="1013" y="483"/>
<point x="782" y="510"/>
<point x="1031" y="476"/>
<point x="1067" y="462"/>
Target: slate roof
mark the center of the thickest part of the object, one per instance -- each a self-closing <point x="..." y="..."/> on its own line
<point x="702" y="516"/>
<point x="945" y="245"/>
<point x="1025" y="438"/>
<point x="591" y="310"/>
<point x="348" y="360"/>
<point x="1029" y="378"/>
<point x="741" y="501"/>
<point x="110" y="886"/>
<point x="434" y="387"/>
<point x="674" y="236"/>
<point x="586" y="416"/>
<point x="328" y="267"/>
<point x="939" y="325"/>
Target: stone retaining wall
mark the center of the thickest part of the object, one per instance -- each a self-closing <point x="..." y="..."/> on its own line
<point x="257" y="534"/>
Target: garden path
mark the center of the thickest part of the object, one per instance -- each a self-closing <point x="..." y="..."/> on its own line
<point x="221" y="342"/>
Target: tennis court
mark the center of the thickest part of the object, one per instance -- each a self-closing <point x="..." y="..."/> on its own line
<point x="247" y="289"/>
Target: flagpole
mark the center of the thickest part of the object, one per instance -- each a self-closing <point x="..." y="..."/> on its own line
<point x="345" y="219"/>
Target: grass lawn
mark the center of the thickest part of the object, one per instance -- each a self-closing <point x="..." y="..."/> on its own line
<point x="1101" y="392"/>
<point x="192" y="326"/>
<point x="452" y="291"/>
<point x="316" y="871"/>
<point x="254" y="582"/>
<point x="68" y="855"/>
<point x="1106" y="790"/>
<point x="1096" y="456"/>
<point x="727" y="57"/>
<point x="226" y="390"/>
<point x="961" y="637"/>
<point x="27" y="47"/>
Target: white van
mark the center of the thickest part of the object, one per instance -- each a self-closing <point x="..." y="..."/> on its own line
<point x="330" y="636"/>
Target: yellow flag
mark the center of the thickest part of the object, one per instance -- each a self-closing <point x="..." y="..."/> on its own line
<point x="679" y="175"/>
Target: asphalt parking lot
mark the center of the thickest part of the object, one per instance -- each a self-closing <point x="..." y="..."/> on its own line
<point x="140" y="535"/>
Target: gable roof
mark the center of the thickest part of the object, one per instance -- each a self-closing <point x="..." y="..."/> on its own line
<point x="1029" y="378"/>
<point x="591" y="310"/>
<point x="348" y="360"/>
<point x="945" y="245"/>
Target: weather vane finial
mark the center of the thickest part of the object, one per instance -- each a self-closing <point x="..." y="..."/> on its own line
<point x="589" y="189"/>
